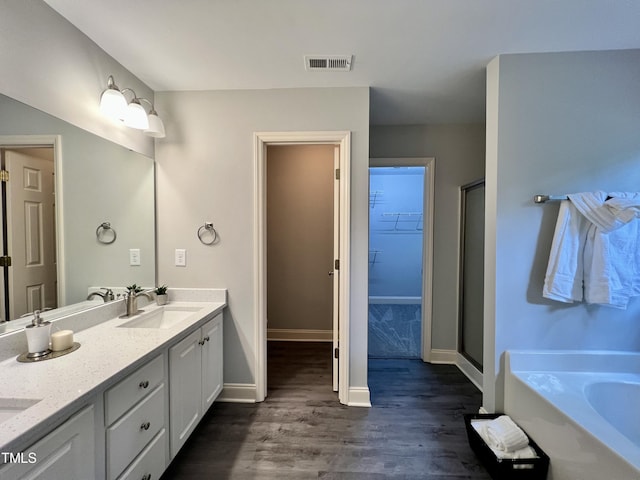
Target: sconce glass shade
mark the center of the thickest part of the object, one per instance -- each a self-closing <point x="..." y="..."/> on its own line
<point x="136" y="116"/>
<point x="156" y="127"/>
<point x="113" y="103"/>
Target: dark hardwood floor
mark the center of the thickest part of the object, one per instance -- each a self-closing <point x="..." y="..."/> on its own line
<point x="414" y="430"/>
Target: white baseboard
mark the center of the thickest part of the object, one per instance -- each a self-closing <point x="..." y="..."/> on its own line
<point x="470" y="371"/>
<point x="359" y="397"/>
<point x="238" y="393"/>
<point x="443" y="356"/>
<point x="299" y="335"/>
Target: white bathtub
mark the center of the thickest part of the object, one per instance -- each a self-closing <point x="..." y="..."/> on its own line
<point x="581" y="407"/>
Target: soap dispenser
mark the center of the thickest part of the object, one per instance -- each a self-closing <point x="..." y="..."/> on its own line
<point x="38" y="336"/>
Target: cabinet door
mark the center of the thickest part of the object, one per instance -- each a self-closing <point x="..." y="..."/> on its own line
<point x="211" y="361"/>
<point x="185" y="373"/>
<point x="67" y="452"/>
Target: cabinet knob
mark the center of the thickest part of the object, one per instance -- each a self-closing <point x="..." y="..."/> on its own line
<point x="206" y="339"/>
<point x="145" y="426"/>
<point x="144" y="384"/>
<point x="201" y="342"/>
<point x="147" y="476"/>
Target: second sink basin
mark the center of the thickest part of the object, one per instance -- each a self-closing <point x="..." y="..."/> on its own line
<point x="163" y="317"/>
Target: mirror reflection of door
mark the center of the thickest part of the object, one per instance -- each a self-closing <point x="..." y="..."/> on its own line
<point x="471" y="308"/>
<point x="30" y="282"/>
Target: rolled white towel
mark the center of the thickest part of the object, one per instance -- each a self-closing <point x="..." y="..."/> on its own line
<point x="523" y="453"/>
<point x="503" y="434"/>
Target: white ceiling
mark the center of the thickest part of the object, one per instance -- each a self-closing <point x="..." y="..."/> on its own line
<point x="424" y="59"/>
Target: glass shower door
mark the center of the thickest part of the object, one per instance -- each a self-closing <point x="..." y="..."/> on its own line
<point x="471" y="308"/>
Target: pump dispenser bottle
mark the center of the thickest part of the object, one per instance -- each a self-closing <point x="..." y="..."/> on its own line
<point x="38" y="336"/>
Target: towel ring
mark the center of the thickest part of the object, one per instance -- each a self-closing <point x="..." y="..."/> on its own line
<point x="103" y="227"/>
<point x="207" y="227"/>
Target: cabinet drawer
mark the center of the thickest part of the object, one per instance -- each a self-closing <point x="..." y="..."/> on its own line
<point x="151" y="463"/>
<point x="132" y="389"/>
<point x="128" y="436"/>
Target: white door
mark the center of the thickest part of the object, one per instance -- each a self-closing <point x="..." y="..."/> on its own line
<point x="336" y="271"/>
<point x="31" y="230"/>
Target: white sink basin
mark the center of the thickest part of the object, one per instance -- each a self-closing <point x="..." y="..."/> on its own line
<point x="13" y="406"/>
<point x="163" y="317"/>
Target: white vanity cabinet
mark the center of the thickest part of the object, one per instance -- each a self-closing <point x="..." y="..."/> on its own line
<point x="67" y="452"/>
<point x="135" y="424"/>
<point x="195" y="379"/>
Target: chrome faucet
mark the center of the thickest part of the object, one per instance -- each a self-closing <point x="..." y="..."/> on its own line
<point x="131" y="300"/>
<point x="107" y="296"/>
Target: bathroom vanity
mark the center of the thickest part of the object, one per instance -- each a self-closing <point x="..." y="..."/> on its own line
<point x="124" y="403"/>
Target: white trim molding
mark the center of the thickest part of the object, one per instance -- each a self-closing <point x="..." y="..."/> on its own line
<point x="359" y="397"/>
<point x="469" y="370"/>
<point x="342" y="139"/>
<point x="438" y="356"/>
<point x="299" y="335"/>
<point x="238" y="393"/>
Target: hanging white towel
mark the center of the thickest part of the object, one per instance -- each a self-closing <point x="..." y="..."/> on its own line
<point x="563" y="281"/>
<point x="595" y="248"/>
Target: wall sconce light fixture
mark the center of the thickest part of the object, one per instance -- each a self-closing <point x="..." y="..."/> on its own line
<point x="114" y="104"/>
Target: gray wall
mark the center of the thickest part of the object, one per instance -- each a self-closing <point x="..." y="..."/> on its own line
<point x="205" y="171"/>
<point x="51" y="65"/>
<point x="556" y="124"/>
<point x="459" y="152"/>
<point x="300" y="182"/>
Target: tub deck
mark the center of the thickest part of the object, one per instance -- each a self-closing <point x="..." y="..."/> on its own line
<point x="545" y="394"/>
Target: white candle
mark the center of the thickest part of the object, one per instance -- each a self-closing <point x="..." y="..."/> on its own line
<point x="61" y="340"/>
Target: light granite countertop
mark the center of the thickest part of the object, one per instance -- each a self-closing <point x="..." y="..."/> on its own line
<point x="107" y="354"/>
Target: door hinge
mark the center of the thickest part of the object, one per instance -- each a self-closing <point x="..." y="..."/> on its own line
<point x="4" y="175"/>
<point x="337" y="174"/>
<point x="5" y="261"/>
<point x="336" y="352"/>
<point x="336" y="264"/>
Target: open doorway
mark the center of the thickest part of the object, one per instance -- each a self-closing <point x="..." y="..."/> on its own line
<point x="300" y="256"/>
<point x="337" y="271"/>
<point x="400" y="258"/>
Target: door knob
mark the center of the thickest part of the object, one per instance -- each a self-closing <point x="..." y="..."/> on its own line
<point x="330" y="273"/>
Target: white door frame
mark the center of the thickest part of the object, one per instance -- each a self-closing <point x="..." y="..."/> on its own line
<point x="427" y="240"/>
<point x="342" y="139"/>
<point x="54" y="141"/>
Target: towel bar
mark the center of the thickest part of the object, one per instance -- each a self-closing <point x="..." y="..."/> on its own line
<point x="549" y="198"/>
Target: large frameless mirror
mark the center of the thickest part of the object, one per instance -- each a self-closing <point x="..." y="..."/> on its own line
<point x="64" y="184"/>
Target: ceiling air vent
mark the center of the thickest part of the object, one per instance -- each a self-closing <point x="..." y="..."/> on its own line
<point x="328" y="63"/>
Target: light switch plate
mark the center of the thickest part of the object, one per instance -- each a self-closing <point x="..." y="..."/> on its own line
<point x="181" y="257"/>
<point x="134" y="256"/>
